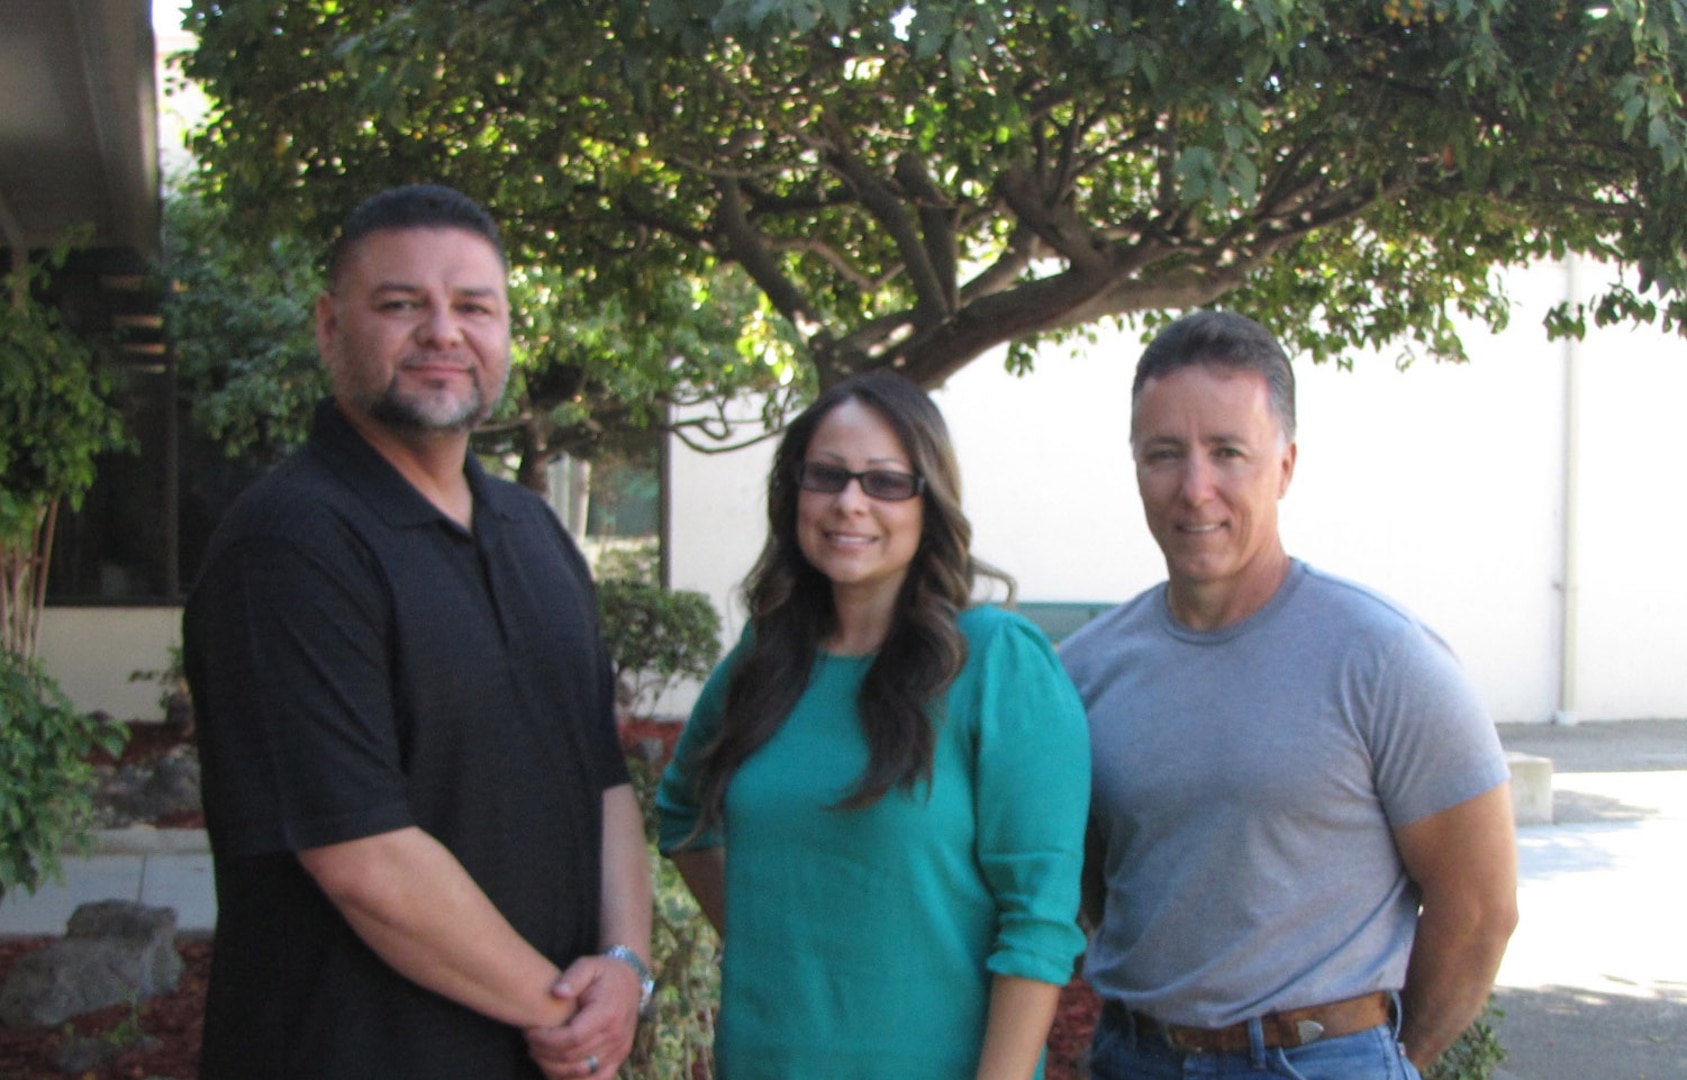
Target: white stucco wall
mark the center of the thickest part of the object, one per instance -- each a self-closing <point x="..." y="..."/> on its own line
<point x="1632" y="630"/>
<point x="90" y="651"/>
<point x="1441" y="485"/>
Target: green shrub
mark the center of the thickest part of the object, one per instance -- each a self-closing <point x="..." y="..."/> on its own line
<point x="46" y="801"/>
<point x="55" y="422"/>
<point x="1476" y="1053"/>
<point x="678" y="1042"/>
<point x="656" y="637"/>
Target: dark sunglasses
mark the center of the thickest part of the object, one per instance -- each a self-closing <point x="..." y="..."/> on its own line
<point x="886" y="484"/>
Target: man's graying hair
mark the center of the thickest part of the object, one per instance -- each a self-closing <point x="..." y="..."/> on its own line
<point x="1221" y="339"/>
<point x="414" y="206"/>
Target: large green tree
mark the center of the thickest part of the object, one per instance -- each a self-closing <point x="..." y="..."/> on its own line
<point x="914" y="183"/>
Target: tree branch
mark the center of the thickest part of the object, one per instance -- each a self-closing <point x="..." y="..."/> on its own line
<point x="746" y="246"/>
<point x="882" y="203"/>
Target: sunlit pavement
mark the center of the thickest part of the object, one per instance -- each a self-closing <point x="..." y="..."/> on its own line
<point x="1594" y="984"/>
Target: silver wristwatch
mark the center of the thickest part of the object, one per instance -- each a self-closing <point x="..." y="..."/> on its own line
<point x="646" y="981"/>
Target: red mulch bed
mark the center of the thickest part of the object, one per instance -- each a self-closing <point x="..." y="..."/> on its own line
<point x="1069" y="1040"/>
<point x="634" y="732"/>
<point x="172" y="1022"/>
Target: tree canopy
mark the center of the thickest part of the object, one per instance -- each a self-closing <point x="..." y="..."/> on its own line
<point x="239" y="320"/>
<point x="914" y="183"/>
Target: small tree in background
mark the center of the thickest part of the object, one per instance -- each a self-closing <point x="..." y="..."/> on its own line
<point x="655" y="636"/>
<point x="55" y="420"/>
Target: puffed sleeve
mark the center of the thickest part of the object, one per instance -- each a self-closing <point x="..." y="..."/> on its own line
<point x="1032" y="785"/>
<point x="677" y="804"/>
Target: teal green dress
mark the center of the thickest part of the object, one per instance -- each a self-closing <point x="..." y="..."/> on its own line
<point x="862" y="944"/>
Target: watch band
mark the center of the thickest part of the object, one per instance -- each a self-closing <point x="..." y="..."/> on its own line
<point x="646" y="981"/>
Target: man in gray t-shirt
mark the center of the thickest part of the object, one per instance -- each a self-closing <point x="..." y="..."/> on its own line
<point x="1302" y="851"/>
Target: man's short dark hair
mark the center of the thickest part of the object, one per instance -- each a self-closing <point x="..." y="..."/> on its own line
<point x="413" y="206"/>
<point x="1222" y="339"/>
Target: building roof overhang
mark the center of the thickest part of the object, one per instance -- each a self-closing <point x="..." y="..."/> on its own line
<point x="79" y="125"/>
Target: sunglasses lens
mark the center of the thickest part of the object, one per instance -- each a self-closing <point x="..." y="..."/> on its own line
<point x="876" y="483"/>
<point x="889" y="485"/>
<point x="826" y="479"/>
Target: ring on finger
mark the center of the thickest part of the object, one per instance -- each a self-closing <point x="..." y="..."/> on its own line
<point x="591" y="1064"/>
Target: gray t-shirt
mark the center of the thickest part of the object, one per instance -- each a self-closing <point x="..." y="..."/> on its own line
<point x="1246" y="782"/>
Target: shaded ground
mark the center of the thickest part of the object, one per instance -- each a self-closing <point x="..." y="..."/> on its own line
<point x="1640" y="1038"/>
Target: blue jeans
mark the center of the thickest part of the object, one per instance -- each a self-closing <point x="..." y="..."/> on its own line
<point x="1372" y="1054"/>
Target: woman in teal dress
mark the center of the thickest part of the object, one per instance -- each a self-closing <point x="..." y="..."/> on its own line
<point x="880" y="798"/>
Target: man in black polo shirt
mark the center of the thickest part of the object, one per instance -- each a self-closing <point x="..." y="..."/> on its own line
<point x="429" y="860"/>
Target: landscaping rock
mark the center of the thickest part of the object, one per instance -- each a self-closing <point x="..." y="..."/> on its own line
<point x="131" y="793"/>
<point x="113" y="952"/>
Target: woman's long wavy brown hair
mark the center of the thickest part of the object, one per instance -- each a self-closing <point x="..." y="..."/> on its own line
<point x="791" y="612"/>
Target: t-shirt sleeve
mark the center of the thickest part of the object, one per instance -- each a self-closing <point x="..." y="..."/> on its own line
<point x="291" y="653"/>
<point x="1032" y="785"/>
<point x="1434" y="742"/>
<point x="677" y="801"/>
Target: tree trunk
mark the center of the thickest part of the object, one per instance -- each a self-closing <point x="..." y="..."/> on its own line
<point x="534" y="472"/>
<point x="23" y="582"/>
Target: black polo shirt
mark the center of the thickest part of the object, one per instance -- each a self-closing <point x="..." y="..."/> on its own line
<point x="360" y="663"/>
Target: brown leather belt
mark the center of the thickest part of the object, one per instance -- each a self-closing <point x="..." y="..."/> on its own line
<point x="1287" y="1029"/>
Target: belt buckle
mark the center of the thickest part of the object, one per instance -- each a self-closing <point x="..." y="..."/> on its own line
<point x="1308" y="1031"/>
<point x="1182" y="1040"/>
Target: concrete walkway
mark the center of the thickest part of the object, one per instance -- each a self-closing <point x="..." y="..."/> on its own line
<point x="158" y="867"/>
<point x="1594" y="985"/>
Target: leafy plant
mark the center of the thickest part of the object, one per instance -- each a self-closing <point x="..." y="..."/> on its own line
<point x="47" y="799"/>
<point x="656" y="636"/>
<point x="175" y="698"/>
<point x="55" y="420"/>
<point x="130" y="1029"/>
<point x="1476" y="1053"/>
<point x="239" y="319"/>
<point x="678" y="1041"/>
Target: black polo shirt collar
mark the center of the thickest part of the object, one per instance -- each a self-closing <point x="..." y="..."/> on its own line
<point x="383" y="487"/>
